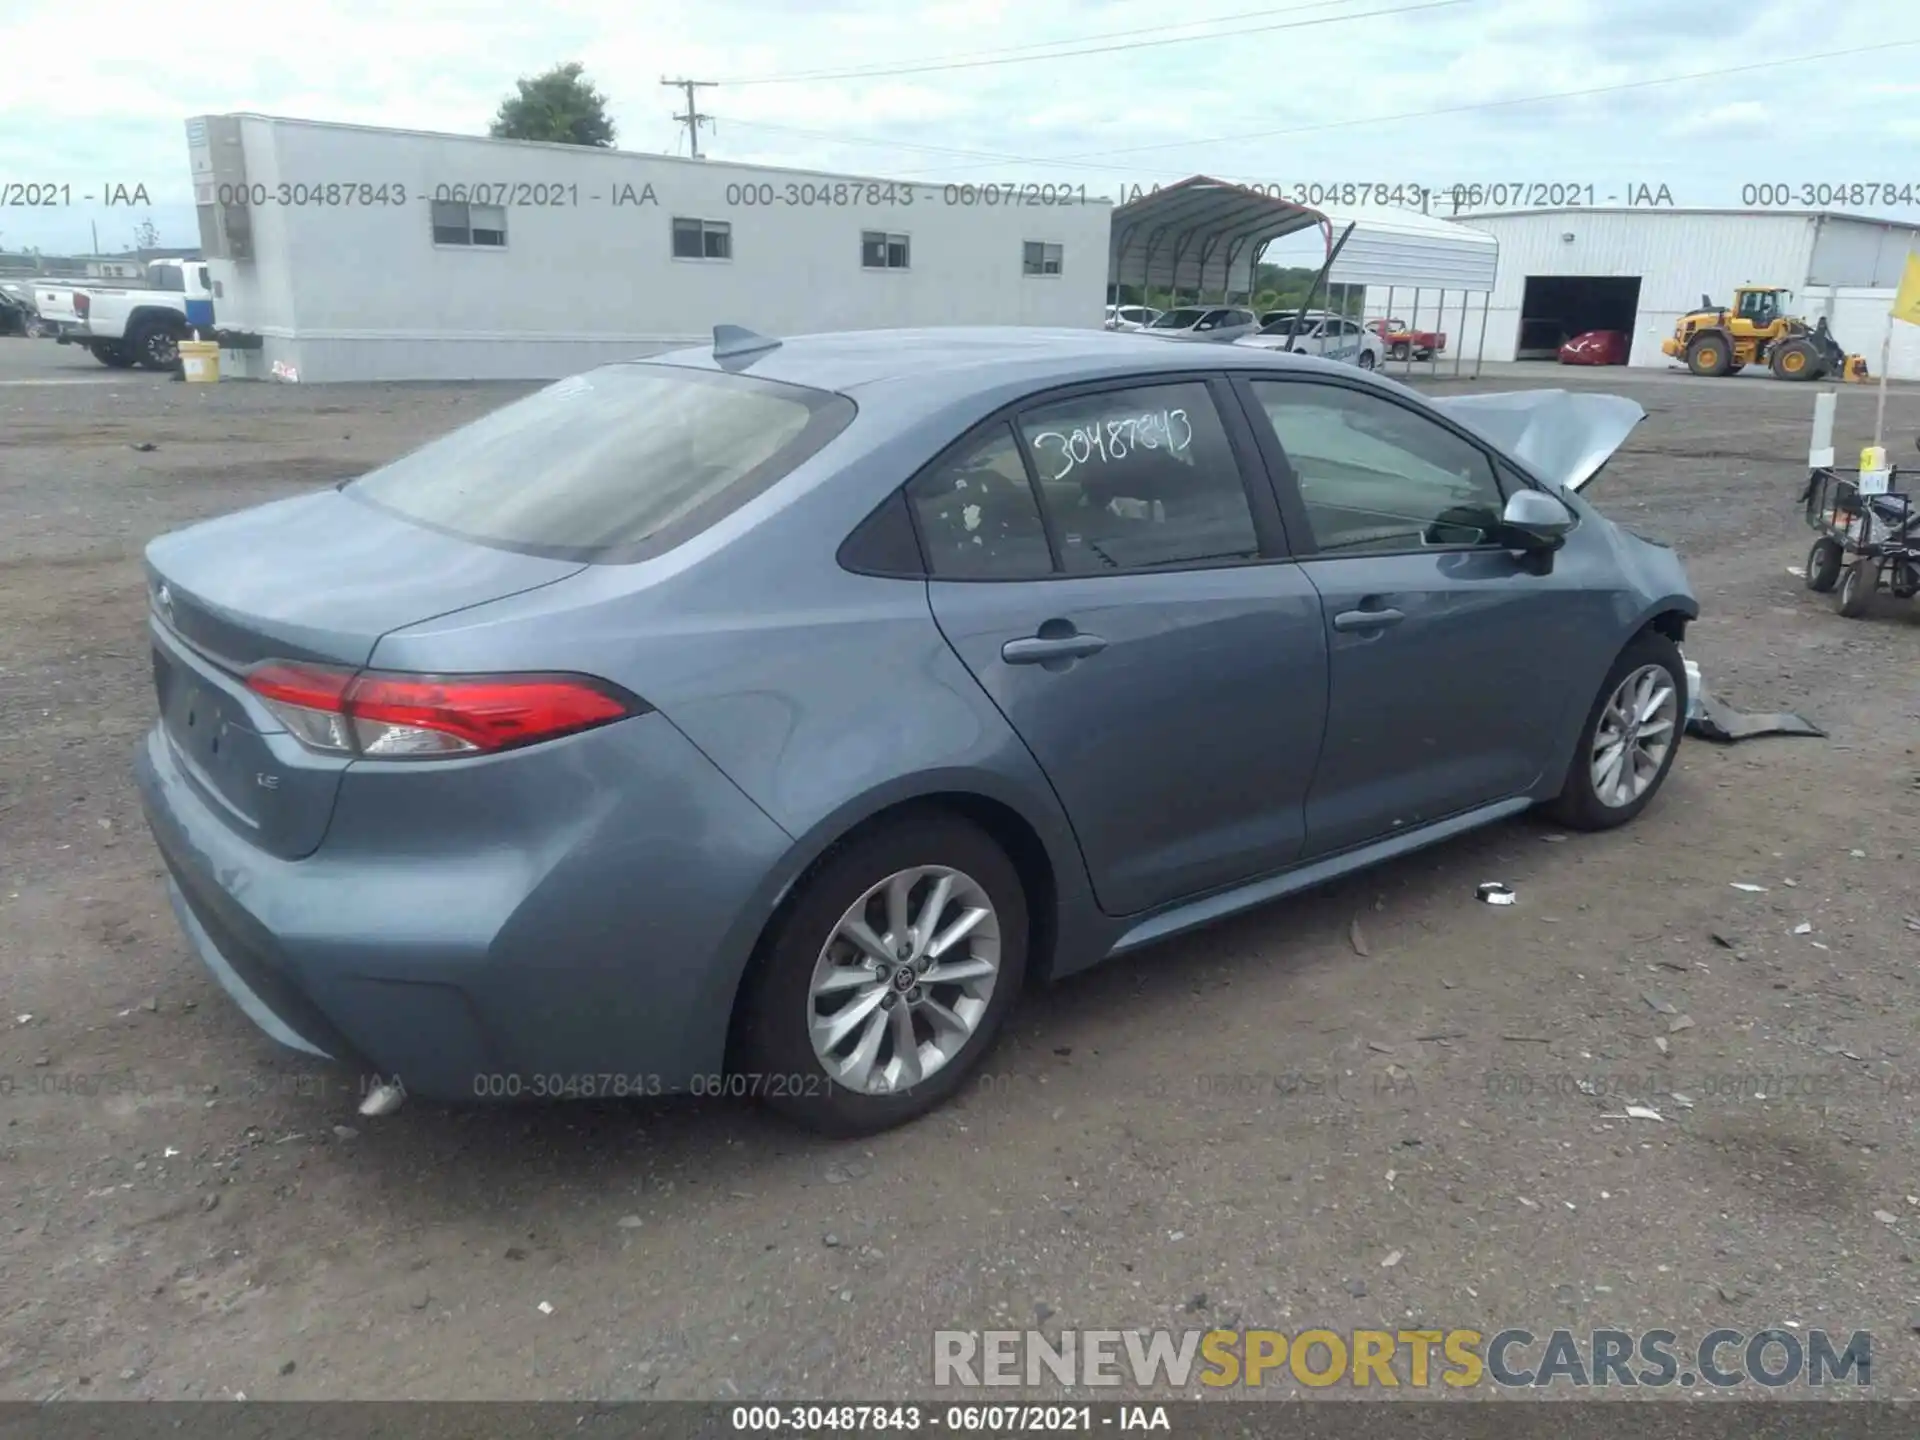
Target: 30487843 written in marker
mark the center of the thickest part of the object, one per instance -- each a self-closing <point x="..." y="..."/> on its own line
<point x="24" y="194"/>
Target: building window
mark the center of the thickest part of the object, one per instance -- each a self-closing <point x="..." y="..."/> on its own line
<point x="455" y="222"/>
<point x="881" y="251"/>
<point x="1039" y="258"/>
<point x="702" y="239"/>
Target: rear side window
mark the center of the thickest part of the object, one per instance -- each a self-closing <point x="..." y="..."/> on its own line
<point x="977" y="516"/>
<point x="1139" y="478"/>
<point x="621" y="459"/>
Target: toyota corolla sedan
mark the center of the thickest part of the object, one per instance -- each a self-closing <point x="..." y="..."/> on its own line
<point x="763" y="718"/>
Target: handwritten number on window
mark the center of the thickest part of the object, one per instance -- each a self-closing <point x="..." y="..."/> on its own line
<point x="1116" y="439"/>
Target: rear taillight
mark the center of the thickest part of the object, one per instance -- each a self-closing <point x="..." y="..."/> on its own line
<point x="81" y="303"/>
<point x="423" y="717"/>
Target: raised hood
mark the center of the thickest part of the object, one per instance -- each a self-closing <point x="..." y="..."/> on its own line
<point x="1562" y="436"/>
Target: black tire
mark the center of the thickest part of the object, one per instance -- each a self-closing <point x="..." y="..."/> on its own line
<point x="1857" y="585"/>
<point x="1365" y="362"/>
<point x="110" y="355"/>
<point x="1710" y="355"/>
<point x="1578" y="806"/>
<point x="155" y="344"/>
<point x="1823" y="565"/>
<point x="1400" y="350"/>
<point x="775" y="1048"/>
<point x="1796" y="360"/>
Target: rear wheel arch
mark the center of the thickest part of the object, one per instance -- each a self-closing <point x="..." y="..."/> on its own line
<point x="1012" y="831"/>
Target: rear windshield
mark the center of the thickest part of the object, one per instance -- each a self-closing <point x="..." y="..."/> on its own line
<point x="624" y="458"/>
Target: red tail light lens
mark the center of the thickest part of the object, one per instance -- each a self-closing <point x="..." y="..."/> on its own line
<point x="81" y="303"/>
<point x="417" y="717"/>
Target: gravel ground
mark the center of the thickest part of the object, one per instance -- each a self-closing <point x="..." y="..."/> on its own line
<point x="1243" y="1127"/>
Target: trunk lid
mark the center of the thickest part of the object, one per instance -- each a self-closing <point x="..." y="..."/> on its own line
<point x="318" y="578"/>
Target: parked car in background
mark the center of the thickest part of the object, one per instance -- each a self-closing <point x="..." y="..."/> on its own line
<point x="777" y="710"/>
<point x="1596" y="347"/>
<point x="17" y="315"/>
<point x="1200" y="322"/>
<point x="124" y="326"/>
<point x="1403" y="342"/>
<point x="1332" y="337"/>
<point x="1131" y="317"/>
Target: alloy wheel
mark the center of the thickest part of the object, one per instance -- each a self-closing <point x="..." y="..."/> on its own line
<point x="903" y="982"/>
<point x="1637" y="728"/>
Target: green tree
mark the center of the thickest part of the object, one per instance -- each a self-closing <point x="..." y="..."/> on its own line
<point x="560" y="106"/>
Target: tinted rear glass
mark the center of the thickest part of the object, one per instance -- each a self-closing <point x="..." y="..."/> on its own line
<point x="622" y="458"/>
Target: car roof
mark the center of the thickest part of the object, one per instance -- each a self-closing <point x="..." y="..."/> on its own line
<point x="959" y="360"/>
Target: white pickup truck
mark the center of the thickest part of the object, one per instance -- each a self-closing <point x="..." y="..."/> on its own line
<point x="125" y="327"/>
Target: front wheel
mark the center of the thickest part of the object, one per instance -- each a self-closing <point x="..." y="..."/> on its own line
<point x="1630" y="738"/>
<point x="1857" y="586"/>
<point x="889" y="979"/>
<point x="1400" y="350"/>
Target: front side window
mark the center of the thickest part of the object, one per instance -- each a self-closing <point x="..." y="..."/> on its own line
<point x="1376" y="476"/>
<point x="614" y="458"/>
<point x="977" y="517"/>
<point x="1140" y="478"/>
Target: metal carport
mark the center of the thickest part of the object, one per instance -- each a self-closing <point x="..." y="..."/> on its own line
<point x="1207" y="236"/>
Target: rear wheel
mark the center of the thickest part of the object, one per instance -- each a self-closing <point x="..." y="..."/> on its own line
<point x="1365" y="362"/>
<point x="110" y="355"/>
<point x="1709" y="355"/>
<point x="1630" y="738"/>
<point x="156" y="344"/>
<point x="889" y="979"/>
<point x="1857" y="587"/>
<point x="1823" y="565"/>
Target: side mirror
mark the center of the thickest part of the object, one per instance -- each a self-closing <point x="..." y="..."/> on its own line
<point x="1534" y="520"/>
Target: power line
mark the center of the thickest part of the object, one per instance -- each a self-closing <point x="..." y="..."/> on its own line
<point x="798" y="76"/>
<point x="693" y="119"/>
<point x="1095" y="49"/>
<point x="1080" y="160"/>
<point x="1486" y="104"/>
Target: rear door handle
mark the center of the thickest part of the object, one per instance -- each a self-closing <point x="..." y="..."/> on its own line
<point x="1036" y="650"/>
<point x="1367" y="619"/>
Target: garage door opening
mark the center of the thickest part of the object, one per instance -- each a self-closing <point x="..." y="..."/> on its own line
<point x="1555" y="308"/>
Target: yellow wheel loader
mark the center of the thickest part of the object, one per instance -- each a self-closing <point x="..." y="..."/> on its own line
<point x="1753" y="331"/>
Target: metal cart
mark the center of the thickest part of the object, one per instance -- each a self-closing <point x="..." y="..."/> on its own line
<point x="1867" y="540"/>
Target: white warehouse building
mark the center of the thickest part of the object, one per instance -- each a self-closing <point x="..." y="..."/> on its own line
<point x="344" y="252"/>
<point x="1638" y="269"/>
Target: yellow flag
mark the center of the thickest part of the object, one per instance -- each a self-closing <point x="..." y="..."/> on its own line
<point x="1906" y="302"/>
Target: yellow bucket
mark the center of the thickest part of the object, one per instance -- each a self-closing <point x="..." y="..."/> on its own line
<point x="200" y="360"/>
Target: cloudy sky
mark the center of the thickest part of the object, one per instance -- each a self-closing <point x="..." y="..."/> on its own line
<point x="1702" y="97"/>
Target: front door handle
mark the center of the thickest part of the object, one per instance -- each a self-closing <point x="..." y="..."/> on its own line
<point x="1038" y="649"/>
<point x="1367" y="619"/>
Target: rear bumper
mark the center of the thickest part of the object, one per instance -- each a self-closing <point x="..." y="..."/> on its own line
<point x="569" y="921"/>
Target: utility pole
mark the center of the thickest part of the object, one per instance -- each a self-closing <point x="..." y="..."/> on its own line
<point x="693" y="119"/>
